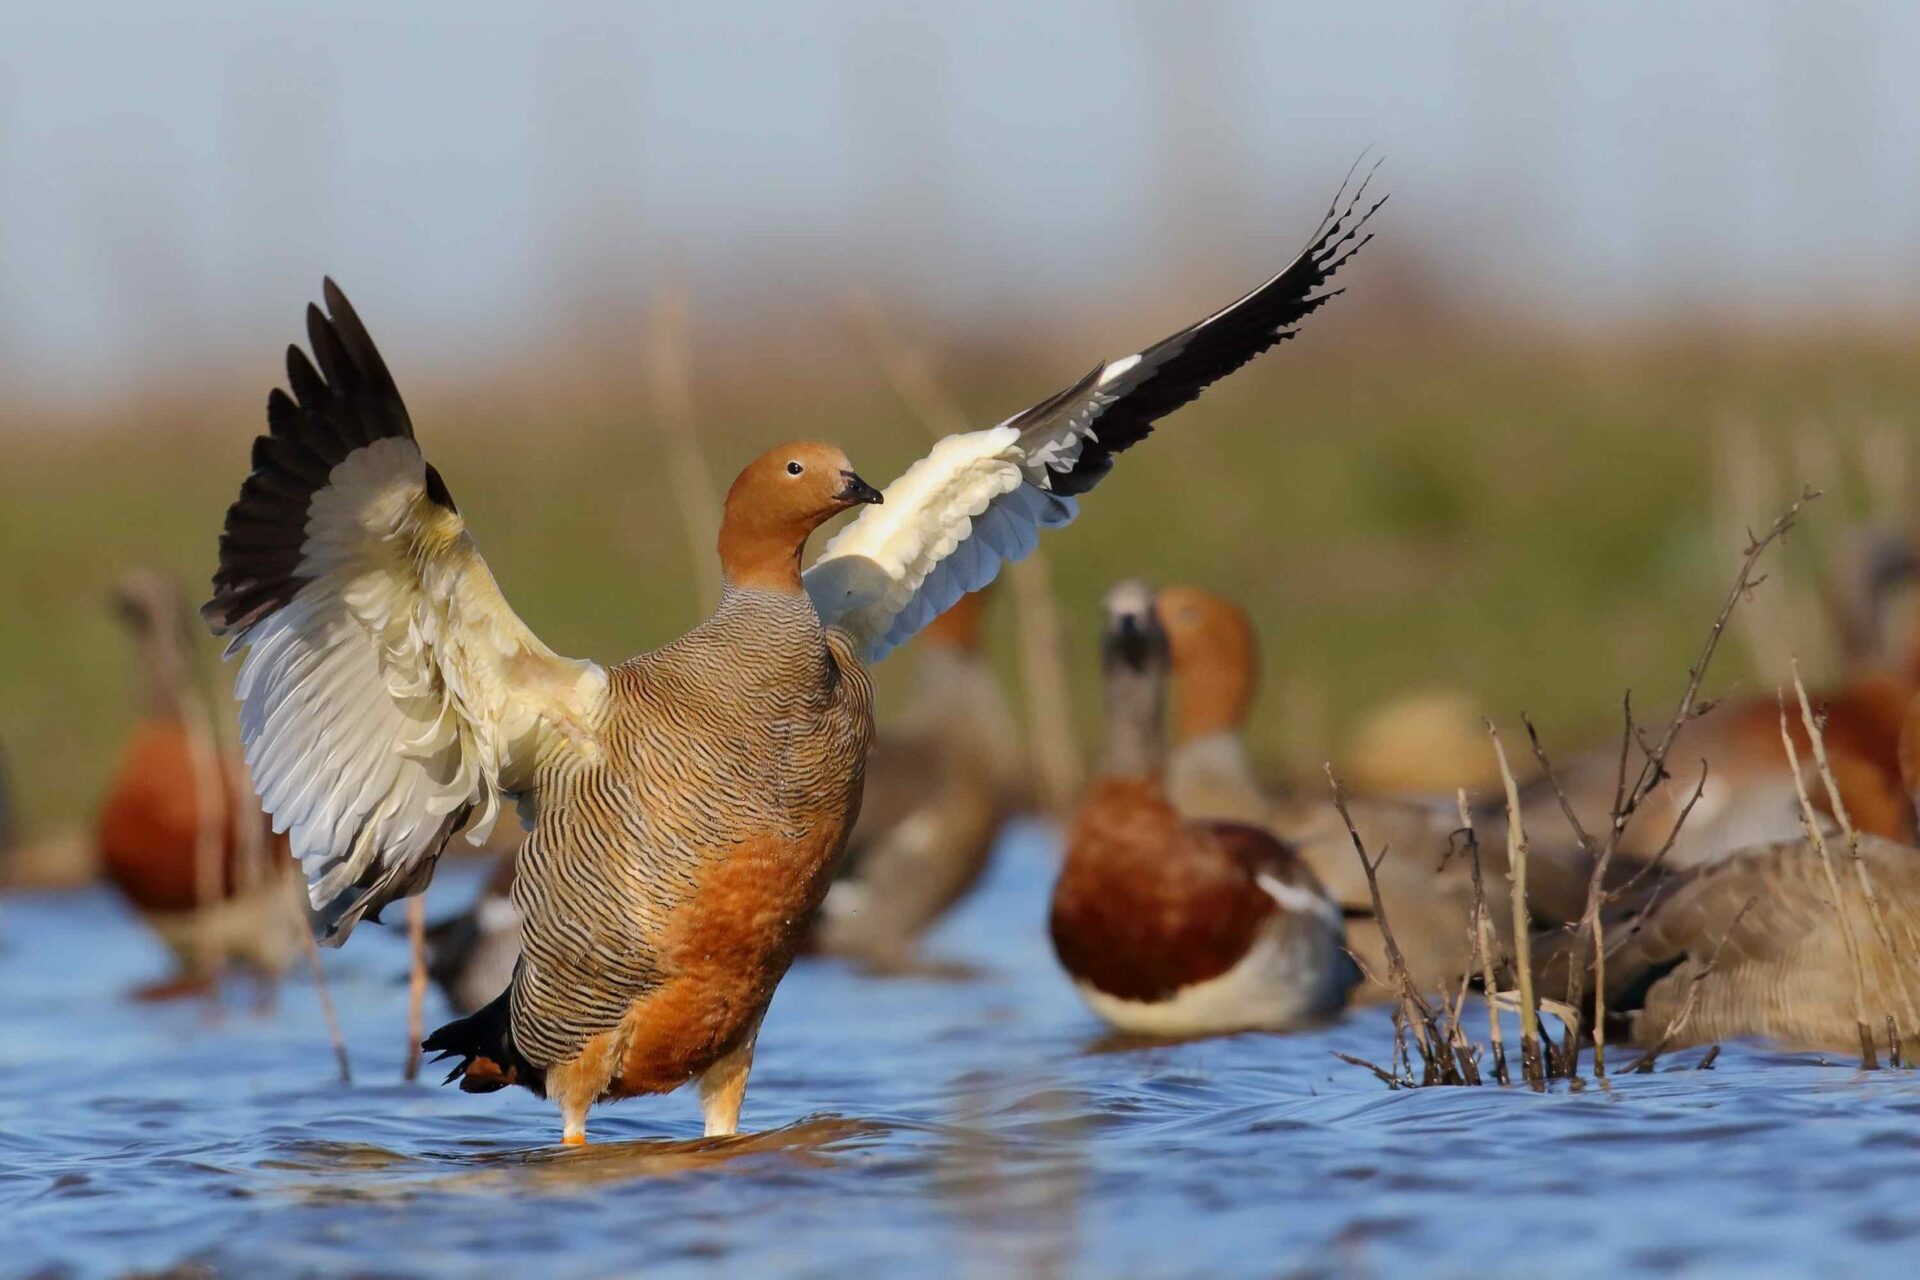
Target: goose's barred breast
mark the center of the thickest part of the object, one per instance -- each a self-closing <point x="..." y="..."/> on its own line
<point x="753" y="726"/>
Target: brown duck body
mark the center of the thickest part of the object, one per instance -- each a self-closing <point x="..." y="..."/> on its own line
<point x="1749" y="796"/>
<point x="1183" y="928"/>
<point x="1756" y="942"/>
<point x="1146" y="903"/>
<point x="669" y="877"/>
<point x="149" y="834"/>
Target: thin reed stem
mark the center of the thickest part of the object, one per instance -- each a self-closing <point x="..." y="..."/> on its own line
<point x="1532" y="1061"/>
<point x="416" y="983"/>
<point x="1811" y="821"/>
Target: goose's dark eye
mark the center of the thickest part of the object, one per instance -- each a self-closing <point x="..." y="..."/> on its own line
<point x="794" y="468"/>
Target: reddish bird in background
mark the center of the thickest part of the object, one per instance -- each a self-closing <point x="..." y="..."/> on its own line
<point x="193" y="883"/>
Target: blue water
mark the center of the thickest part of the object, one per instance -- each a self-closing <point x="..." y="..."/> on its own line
<point x="936" y="1127"/>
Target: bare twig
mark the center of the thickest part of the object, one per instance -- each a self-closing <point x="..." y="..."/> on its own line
<point x="1628" y="797"/>
<point x="1411" y="1010"/>
<point x="1678" y="1022"/>
<point x="296" y="904"/>
<point x="1483" y="943"/>
<point x="1817" y="737"/>
<point x="1747" y="483"/>
<point x="416" y="983"/>
<point x="1810" y="820"/>
<point x="1386" y="1077"/>
<point x="212" y="806"/>
<point x="1532" y="1063"/>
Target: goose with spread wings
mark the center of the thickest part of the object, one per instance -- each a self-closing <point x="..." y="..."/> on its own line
<point x="684" y="808"/>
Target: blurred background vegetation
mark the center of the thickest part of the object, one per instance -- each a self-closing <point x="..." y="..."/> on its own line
<point x="1500" y="465"/>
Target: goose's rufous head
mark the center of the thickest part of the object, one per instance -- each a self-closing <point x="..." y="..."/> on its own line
<point x="775" y="503"/>
<point x="1216" y="661"/>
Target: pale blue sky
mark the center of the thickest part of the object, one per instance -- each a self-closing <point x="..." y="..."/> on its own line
<point x="169" y="182"/>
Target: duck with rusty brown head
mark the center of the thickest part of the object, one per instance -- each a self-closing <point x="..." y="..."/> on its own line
<point x="1171" y="927"/>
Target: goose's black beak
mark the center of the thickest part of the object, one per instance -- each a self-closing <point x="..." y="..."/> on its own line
<point x="857" y="491"/>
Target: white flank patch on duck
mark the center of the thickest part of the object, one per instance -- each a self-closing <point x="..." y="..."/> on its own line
<point x="1296" y="898"/>
<point x="1290" y="977"/>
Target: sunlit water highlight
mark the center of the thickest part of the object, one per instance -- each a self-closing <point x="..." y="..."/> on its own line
<point x="937" y="1127"/>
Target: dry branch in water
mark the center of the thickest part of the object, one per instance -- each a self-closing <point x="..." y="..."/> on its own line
<point x="1446" y="1055"/>
<point x="1811" y="822"/>
<point x="1816" y="736"/>
<point x="297" y="903"/>
<point x="1629" y="797"/>
<point x="1532" y="1061"/>
<point x="1678" y="1022"/>
<point x="416" y="983"/>
<point x="1483" y="939"/>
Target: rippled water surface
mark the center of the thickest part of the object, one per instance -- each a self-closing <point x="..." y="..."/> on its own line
<point x="945" y="1127"/>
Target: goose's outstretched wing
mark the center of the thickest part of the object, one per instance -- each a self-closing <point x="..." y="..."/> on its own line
<point x="387" y="691"/>
<point x="982" y="497"/>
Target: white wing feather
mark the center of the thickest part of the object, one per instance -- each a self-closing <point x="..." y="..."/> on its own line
<point x="387" y="692"/>
<point x="396" y="692"/>
<point x="981" y="498"/>
<point x="947" y="525"/>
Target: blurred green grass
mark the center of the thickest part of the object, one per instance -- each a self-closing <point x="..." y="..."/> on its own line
<point x="1531" y="523"/>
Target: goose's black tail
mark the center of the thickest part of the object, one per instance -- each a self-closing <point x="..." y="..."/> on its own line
<point x="483" y="1041"/>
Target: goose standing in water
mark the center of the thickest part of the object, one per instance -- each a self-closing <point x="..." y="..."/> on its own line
<point x="688" y="805"/>
<point x="1174" y="927"/>
<point x="940" y="787"/>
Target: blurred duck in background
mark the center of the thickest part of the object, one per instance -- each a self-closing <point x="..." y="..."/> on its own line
<point x="1427" y="742"/>
<point x="470" y="955"/>
<point x="941" y="785"/>
<point x="1427" y="894"/>
<point x="1873" y="596"/>
<point x="173" y="827"/>
<point x="1755" y="944"/>
<point x="1426" y="887"/>
<point x="1175" y="927"/>
<point x="1749" y="797"/>
<point x="1214" y="660"/>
